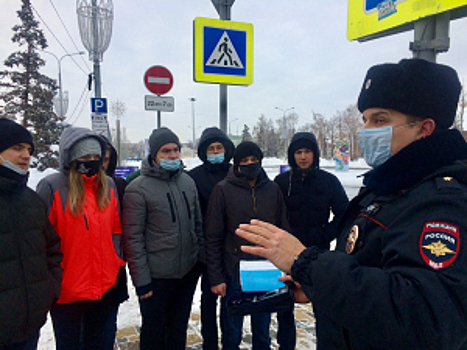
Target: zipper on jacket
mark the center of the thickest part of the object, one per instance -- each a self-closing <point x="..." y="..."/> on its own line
<point x="85" y="221"/>
<point x="254" y="202"/>
<point x="187" y="205"/>
<point x="172" y="210"/>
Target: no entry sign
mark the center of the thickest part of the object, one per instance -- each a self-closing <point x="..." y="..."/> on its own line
<point x="158" y="80"/>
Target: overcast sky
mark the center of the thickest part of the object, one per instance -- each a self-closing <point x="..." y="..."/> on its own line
<point x="302" y="59"/>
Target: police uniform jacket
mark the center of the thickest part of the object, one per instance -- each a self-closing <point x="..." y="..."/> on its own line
<point x="398" y="279"/>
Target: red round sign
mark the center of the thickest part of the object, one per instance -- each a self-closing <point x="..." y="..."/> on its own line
<point x="158" y="80"/>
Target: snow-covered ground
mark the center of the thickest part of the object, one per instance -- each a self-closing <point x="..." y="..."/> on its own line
<point x="129" y="314"/>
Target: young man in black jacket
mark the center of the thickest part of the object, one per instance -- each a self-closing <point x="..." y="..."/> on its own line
<point x="245" y="194"/>
<point x="215" y="150"/>
<point x="311" y="195"/>
<point x="398" y="278"/>
<point x="30" y="256"/>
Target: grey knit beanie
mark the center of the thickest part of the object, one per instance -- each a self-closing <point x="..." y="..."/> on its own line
<point x="160" y="137"/>
<point x="88" y="145"/>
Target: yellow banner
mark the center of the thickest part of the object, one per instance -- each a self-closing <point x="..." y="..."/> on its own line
<point x="366" y="18"/>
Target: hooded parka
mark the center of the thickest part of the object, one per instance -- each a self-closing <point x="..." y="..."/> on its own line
<point x="310" y="196"/>
<point x="234" y="201"/>
<point x="207" y="175"/>
<point x="91" y="241"/>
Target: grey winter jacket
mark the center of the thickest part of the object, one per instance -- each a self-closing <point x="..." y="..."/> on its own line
<point x="162" y="225"/>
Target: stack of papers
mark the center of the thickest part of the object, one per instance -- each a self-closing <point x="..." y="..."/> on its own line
<point x="259" y="276"/>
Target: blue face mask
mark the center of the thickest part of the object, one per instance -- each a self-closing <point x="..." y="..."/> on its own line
<point x="170" y="165"/>
<point x="11" y="166"/>
<point x="375" y="144"/>
<point x="215" y="158"/>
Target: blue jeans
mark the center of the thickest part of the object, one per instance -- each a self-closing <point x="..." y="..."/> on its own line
<point x="166" y="313"/>
<point x="29" y="344"/>
<point x="233" y="325"/>
<point x="286" y="333"/>
<point x="208" y="314"/>
<point x="80" y="325"/>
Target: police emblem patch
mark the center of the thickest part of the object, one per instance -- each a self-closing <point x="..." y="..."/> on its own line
<point x="439" y="244"/>
<point x="352" y="239"/>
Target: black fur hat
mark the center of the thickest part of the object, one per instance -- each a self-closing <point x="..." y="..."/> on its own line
<point x="415" y="87"/>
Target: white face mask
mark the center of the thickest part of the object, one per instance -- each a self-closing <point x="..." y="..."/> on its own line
<point x="11" y="166"/>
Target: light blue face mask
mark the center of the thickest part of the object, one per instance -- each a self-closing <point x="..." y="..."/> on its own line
<point x="375" y="144"/>
<point x="11" y="166"/>
<point x="170" y="165"/>
<point x="215" y="158"/>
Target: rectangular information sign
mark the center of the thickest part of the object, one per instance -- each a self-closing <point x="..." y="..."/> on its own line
<point x="371" y="19"/>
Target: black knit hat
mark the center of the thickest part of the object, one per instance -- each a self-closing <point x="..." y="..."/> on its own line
<point x="415" y="87"/>
<point x="246" y="149"/>
<point x="12" y="133"/>
<point x="160" y="137"/>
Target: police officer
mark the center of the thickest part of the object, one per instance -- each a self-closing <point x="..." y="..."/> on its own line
<point x="398" y="279"/>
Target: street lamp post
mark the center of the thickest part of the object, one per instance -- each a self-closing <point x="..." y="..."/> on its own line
<point x="286" y="131"/>
<point x="61" y="112"/>
<point x="230" y="124"/>
<point x="192" y="99"/>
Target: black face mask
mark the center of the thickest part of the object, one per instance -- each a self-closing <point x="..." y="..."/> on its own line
<point x="88" y="168"/>
<point x="250" y="171"/>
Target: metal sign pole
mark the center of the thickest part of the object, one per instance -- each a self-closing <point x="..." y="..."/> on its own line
<point x="223" y="8"/>
<point x="431" y="36"/>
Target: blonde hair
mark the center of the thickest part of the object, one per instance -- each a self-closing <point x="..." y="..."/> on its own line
<point x="76" y="196"/>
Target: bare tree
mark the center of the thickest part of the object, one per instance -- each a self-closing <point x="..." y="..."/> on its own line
<point x="350" y="121"/>
<point x="266" y="137"/>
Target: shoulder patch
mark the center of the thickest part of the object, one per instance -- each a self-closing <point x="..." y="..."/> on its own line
<point x="439" y="244"/>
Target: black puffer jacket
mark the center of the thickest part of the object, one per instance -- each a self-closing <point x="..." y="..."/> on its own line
<point x="233" y="201"/>
<point x="30" y="257"/>
<point x="310" y="196"/>
<point x="207" y="175"/>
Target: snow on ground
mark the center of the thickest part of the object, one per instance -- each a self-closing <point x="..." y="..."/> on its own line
<point x="129" y="314"/>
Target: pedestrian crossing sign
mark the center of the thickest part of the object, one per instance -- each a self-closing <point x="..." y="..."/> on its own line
<point x="223" y="52"/>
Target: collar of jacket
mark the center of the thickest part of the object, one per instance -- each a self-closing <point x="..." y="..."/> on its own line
<point x="155" y="170"/>
<point x="216" y="168"/>
<point x="12" y="179"/>
<point x="235" y="178"/>
<point x="416" y="161"/>
<point x="299" y="174"/>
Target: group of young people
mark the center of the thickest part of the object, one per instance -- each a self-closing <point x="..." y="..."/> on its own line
<point x="397" y="279"/>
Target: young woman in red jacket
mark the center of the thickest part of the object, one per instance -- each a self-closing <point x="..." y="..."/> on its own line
<point x="83" y="208"/>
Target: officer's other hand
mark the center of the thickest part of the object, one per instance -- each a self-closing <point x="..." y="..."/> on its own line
<point x="272" y="243"/>
<point x="220" y="289"/>
<point x="297" y="290"/>
<point x="147" y="295"/>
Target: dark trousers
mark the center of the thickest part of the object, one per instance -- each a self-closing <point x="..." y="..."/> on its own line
<point x="166" y="313"/>
<point x="81" y="325"/>
<point x="286" y="333"/>
<point x="111" y="327"/>
<point x="30" y="344"/>
<point x="233" y="325"/>
<point x="208" y="314"/>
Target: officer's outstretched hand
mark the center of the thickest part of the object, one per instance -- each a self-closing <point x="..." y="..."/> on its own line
<point x="272" y="243"/>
